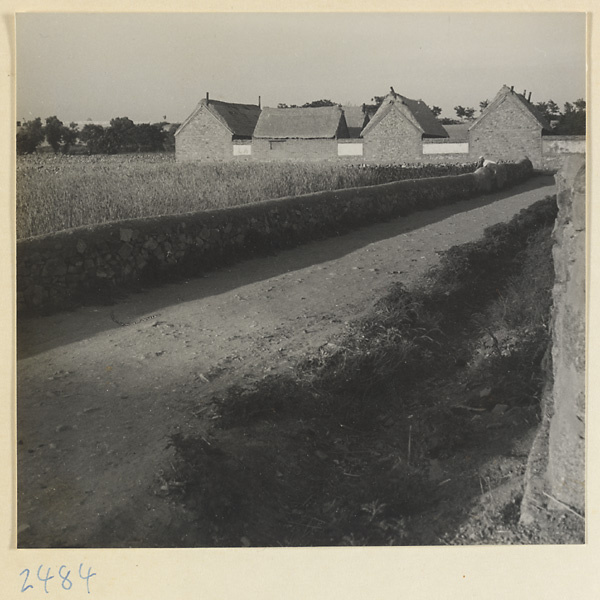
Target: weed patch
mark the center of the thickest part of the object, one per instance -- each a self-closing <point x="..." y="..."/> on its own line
<point x="371" y="434"/>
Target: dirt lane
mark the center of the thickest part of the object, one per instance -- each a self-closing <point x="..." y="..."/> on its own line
<point x="97" y="400"/>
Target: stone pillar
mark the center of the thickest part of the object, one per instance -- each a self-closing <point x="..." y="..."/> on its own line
<point x="566" y="448"/>
<point x="555" y="475"/>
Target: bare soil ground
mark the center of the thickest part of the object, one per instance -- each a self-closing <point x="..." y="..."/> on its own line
<point x="108" y="397"/>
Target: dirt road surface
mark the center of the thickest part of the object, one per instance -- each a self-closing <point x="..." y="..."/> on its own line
<point x="100" y="389"/>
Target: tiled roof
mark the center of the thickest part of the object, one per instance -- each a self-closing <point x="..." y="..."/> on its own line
<point x="306" y="123"/>
<point x="415" y="111"/>
<point x="240" y="119"/>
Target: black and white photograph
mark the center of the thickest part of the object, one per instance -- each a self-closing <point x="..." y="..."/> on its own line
<point x="298" y="280"/>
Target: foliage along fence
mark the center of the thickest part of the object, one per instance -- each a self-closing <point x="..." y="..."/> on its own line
<point x="82" y="265"/>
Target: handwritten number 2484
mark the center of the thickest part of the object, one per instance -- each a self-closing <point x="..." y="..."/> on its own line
<point x="63" y="574"/>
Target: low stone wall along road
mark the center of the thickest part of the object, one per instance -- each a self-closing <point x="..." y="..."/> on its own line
<point x="100" y="389"/>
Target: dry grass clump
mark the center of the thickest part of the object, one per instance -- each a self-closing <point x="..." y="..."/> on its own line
<point x="56" y="192"/>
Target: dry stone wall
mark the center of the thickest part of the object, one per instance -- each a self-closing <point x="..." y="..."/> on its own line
<point x="84" y="264"/>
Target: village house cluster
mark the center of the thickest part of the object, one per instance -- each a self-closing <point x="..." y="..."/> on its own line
<point x="401" y="130"/>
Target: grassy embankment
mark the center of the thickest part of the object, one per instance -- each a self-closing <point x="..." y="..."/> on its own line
<point x="443" y="378"/>
<point x="61" y="192"/>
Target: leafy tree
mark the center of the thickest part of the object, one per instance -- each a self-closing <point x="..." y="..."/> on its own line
<point x="30" y="136"/>
<point x="464" y="112"/>
<point x="542" y="108"/>
<point x="378" y="101"/>
<point x="437" y="111"/>
<point x="112" y="141"/>
<point x="53" y="130"/>
<point x="149" y="138"/>
<point x="124" y="135"/>
<point x="120" y="136"/>
<point x="319" y="103"/>
<point x="572" y="121"/>
<point x="169" y="142"/>
<point x="92" y="136"/>
<point x="313" y="104"/>
<point x="449" y="121"/>
<point x="483" y="105"/>
<point x="69" y="136"/>
<point x="553" y="109"/>
<point x="548" y="109"/>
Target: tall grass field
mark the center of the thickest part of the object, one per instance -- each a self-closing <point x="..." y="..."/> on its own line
<point x="56" y="192"/>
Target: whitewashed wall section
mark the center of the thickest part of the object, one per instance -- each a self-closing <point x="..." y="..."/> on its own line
<point x="452" y="148"/>
<point x="242" y="150"/>
<point x="552" y="145"/>
<point x="354" y="149"/>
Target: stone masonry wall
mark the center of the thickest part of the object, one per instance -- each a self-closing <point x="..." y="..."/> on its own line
<point x="204" y="139"/>
<point x="507" y="133"/>
<point x="556" y="467"/>
<point x="81" y="265"/>
<point x="556" y="149"/>
<point x="294" y="149"/>
<point x="393" y="140"/>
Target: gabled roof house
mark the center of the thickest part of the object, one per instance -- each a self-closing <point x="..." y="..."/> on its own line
<point x="510" y="128"/>
<point x="216" y="130"/>
<point x="326" y="122"/>
<point x="299" y="133"/>
<point x="396" y="131"/>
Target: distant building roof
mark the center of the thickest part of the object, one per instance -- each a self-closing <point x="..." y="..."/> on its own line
<point x="356" y="119"/>
<point x="529" y="109"/>
<point x="458" y="132"/>
<point x="240" y="119"/>
<point x="306" y="123"/>
<point x="416" y="111"/>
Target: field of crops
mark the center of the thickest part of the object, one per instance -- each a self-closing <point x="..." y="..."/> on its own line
<point x="60" y="192"/>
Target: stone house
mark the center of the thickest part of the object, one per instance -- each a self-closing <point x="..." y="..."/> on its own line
<point x="305" y="134"/>
<point x="396" y="131"/>
<point x="510" y="128"/>
<point x="217" y="131"/>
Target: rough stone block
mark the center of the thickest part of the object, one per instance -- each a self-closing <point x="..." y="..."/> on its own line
<point x="125" y="250"/>
<point x="126" y="234"/>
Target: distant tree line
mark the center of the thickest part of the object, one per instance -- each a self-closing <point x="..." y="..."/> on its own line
<point x="122" y="135"/>
<point x="313" y="104"/>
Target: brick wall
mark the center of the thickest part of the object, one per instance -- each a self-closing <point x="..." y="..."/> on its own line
<point x="507" y="133"/>
<point x="393" y="140"/>
<point x="203" y="139"/>
<point x="84" y="264"/>
<point x="295" y="149"/>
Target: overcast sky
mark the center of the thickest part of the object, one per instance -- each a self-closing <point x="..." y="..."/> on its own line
<point x="146" y="66"/>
